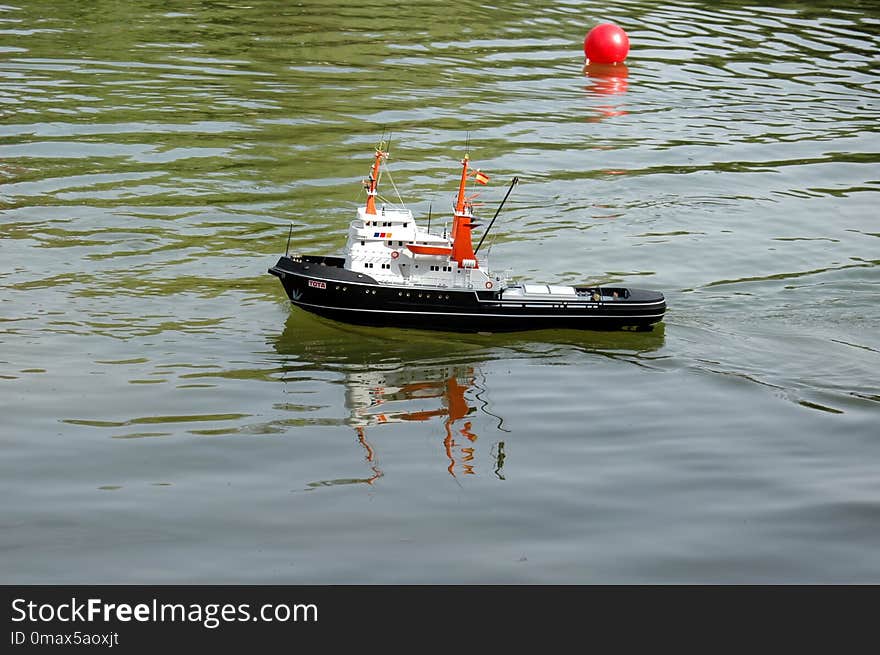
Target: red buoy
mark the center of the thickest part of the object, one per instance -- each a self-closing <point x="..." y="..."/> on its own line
<point x="606" y="44"/>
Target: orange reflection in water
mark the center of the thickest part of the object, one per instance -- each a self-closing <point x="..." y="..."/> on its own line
<point x="377" y="399"/>
<point x="370" y="456"/>
<point x="607" y="80"/>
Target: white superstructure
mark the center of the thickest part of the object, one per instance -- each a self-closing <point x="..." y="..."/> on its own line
<point x="387" y="244"/>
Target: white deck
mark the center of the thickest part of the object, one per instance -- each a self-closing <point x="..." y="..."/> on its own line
<point x="540" y="291"/>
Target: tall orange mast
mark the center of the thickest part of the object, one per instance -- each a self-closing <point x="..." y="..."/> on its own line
<point x="462" y="245"/>
<point x="374" y="179"/>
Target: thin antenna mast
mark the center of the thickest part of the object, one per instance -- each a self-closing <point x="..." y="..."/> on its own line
<point x="513" y="183"/>
<point x="289" y="233"/>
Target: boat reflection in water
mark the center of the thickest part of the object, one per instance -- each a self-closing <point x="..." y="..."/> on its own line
<point x="395" y="377"/>
<point x="421" y="393"/>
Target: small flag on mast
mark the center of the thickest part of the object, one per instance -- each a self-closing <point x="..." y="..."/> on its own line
<point x="481" y="178"/>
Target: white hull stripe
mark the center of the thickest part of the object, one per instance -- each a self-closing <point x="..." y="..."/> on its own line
<point x="591" y="304"/>
<point x="511" y="303"/>
<point x="399" y="311"/>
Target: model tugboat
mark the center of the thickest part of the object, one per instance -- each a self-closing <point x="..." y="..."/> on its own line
<point x="395" y="272"/>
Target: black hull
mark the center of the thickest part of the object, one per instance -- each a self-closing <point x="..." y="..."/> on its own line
<point x="320" y="285"/>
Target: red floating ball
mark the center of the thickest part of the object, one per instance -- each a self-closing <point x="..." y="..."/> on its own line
<point x="606" y="44"/>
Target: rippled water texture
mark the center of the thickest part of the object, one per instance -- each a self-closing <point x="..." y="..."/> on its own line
<point x="166" y="417"/>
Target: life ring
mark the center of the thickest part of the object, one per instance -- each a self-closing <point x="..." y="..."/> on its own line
<point x="395" y="254"/>
<point x="488" y="285"/>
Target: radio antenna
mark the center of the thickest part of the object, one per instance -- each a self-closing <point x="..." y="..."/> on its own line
<point x="289" y="233"/>
<point x="513" y="183"/>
